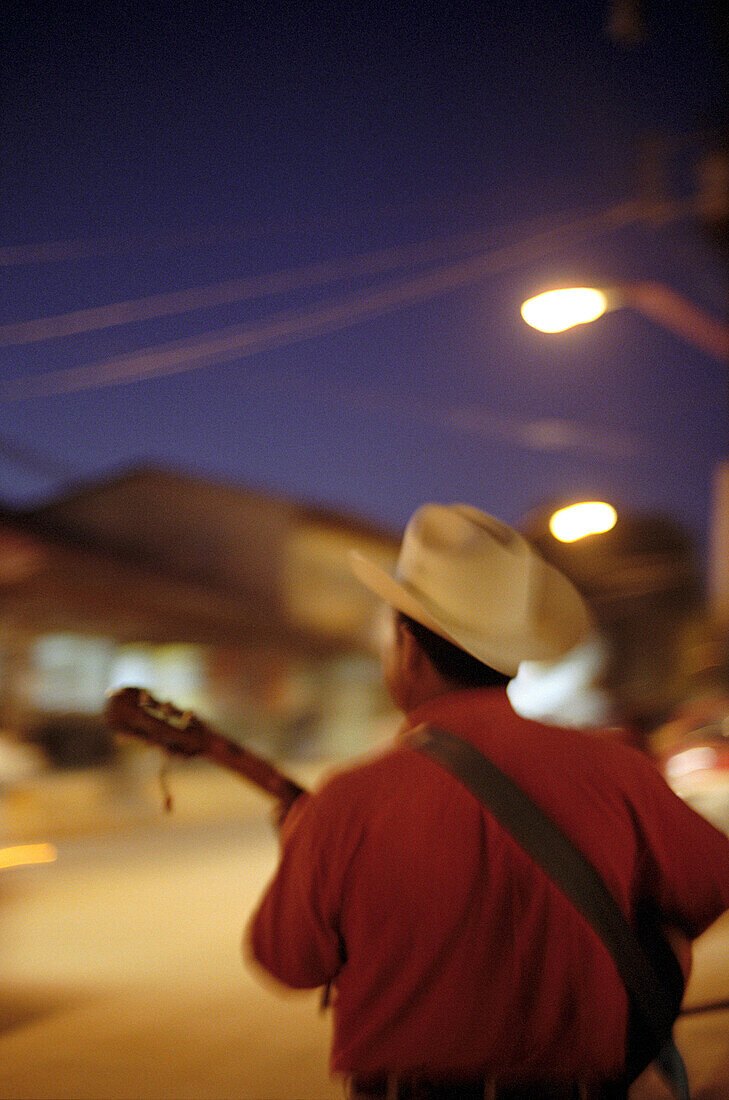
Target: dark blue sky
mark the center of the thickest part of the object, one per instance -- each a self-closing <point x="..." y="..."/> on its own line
<point x="151" y="151"/>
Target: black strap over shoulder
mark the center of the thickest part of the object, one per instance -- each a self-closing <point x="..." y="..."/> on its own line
<point x="655" y="1005"/>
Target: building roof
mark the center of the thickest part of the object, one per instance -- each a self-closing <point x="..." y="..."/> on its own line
<point x="156" y="554"/>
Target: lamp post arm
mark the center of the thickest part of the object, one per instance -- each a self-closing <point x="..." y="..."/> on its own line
<point x="682" y="317"/>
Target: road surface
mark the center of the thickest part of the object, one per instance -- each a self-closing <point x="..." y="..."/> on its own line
<point x="121" y="977"/>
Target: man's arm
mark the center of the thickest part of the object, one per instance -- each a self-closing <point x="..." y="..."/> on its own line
<point x="294" y="932"/>
<point x="686" y="861"/>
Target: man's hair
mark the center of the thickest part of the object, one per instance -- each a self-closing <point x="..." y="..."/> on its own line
<point x="452" y="662"/>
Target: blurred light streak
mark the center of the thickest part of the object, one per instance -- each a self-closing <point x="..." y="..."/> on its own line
<point x="698" y="758"/>
<point x="567" y="435"/>
<point x="287" y="327"/>
<point x="25" y="855"/>
<point x="535" y="435"/>
<point x="547" y="435"/>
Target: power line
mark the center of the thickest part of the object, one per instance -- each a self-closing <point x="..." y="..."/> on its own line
<point x="248" y="288"/>
<point x="83" y="248"/>
<point x="130" y="311"/>
<point x="287" y="327"/>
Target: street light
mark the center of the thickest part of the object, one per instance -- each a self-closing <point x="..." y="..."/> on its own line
<point x="576" y="521"/>
<point x="560" y="309"/>
<point x="557" y="310"/>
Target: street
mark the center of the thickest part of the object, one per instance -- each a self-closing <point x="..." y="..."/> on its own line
<point x="122" y="974"/>
<point x="122" y="977"/>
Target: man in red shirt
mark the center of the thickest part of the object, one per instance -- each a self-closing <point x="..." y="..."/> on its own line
<point x="458" y="969"/>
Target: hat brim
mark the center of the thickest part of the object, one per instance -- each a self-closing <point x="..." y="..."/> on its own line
<point x="504" y="653"/>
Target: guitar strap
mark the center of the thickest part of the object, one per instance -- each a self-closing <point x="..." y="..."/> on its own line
<point x="568" y="868"/>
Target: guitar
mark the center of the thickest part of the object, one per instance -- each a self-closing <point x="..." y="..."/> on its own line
<point x="134" y="711"/>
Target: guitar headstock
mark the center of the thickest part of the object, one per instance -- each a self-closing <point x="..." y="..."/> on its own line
<point x="135" y="710"/>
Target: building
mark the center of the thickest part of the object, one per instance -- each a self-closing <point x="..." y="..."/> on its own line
<point x="234" y="603"/>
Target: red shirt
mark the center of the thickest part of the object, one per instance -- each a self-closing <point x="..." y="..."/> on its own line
<point x="449" y="950"/>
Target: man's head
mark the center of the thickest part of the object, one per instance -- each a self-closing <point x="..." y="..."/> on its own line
<point x="418" y="664"/>
<point x="479" y="585"/>
<point x="453" y="664"/>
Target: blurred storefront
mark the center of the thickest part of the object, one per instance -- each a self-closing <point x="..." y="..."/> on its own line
<point x="235" y="604"/>
<point x="241" y="607"/>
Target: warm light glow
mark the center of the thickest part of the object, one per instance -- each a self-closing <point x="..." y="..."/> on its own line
<point x="22" y="855"/>
<point x="698" y="758"/>
<point x="577" y="520"/>
<point x="557" y="310"/>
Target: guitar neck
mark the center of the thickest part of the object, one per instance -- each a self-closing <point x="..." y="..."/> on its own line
<point x="135" y="711"/>
<point x="252" y="767"/>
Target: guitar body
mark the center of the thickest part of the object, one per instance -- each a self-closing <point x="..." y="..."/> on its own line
<point x="134" y="711"/>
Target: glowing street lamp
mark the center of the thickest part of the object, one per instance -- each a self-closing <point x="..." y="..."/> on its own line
<point x="557" y="310"/>
<point x="590" y="517"/>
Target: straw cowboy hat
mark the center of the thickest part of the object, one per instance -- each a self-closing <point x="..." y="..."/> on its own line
<point x="479" y="584"/>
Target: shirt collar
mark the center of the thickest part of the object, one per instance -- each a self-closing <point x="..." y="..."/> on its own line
<point x="456" y="709"/>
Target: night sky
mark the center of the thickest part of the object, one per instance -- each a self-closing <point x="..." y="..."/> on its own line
<point x="357" y="199"/>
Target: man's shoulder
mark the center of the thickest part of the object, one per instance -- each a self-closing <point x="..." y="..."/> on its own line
<point x="371" y="769"/>
<point x="346" y="799"/>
